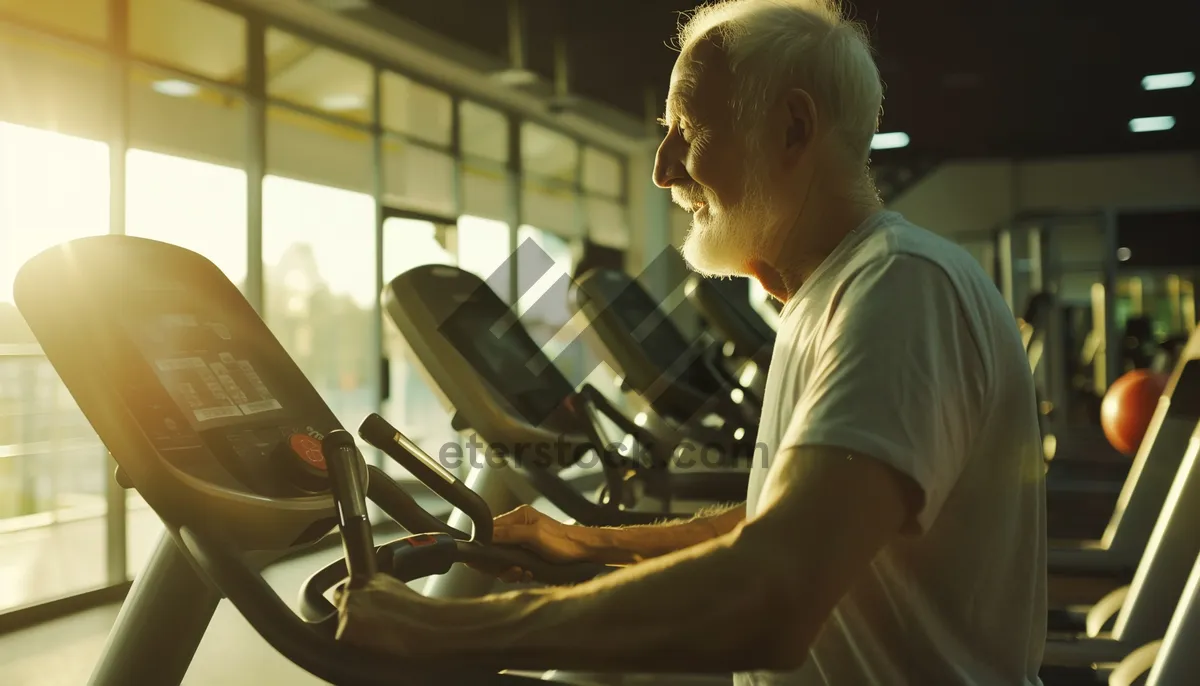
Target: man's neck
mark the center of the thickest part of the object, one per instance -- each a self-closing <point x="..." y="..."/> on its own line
<point x="816" y="233"/>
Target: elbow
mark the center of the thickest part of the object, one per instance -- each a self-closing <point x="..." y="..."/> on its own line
<point x="781" y="644"/>
<point x="787" y="611"/>
<point x="780" y="624"/>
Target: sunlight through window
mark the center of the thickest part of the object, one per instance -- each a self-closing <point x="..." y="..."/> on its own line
<point x="53" y="188"/>
<point x="192" y="204"/>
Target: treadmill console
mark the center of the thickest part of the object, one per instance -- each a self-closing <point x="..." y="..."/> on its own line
<point x="203" y="409"/>
<point x="213" y="399"/>
<point x="476" y="323"/>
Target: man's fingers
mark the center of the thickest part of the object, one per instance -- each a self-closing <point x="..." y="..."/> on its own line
<point x="513" y="575"/>
<point x="514" y="533"/>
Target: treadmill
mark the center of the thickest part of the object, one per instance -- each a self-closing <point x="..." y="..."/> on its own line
<point x="729" y="313"/>
<point x="1130" y="529"/>
<point x="503" y="387"/>
<point x="1139" y="612"/>
<point x="686" y="384"/>
<point x="217" y="428"/>
<point x="1173" y="659"/>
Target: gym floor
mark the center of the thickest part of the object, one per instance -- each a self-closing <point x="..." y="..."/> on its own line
<point x="62" y="652"/>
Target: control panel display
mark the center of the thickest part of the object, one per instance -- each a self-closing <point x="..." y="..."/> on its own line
<point x="210" y="387"/>
<point x="200" y="365"/>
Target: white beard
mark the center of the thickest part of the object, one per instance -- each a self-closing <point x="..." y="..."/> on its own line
<point x="726" y="241"/>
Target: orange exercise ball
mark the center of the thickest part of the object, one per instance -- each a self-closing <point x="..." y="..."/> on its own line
<point x="1128" y="407"/>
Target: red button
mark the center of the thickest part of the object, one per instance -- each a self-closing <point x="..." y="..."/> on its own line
<point x="421" y="540"/>
<point x="308" y="449"/>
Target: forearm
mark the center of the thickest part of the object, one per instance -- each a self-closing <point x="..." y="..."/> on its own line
<point x="631" y="544"/>
<point x="703" y="609"/>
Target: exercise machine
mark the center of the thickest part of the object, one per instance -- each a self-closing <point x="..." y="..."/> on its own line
<point x="1154" y="468"/>
<point x="684" y="383"/>
<point x="217" y="428"/>
<point x="539" y="430"/>
<point x="1173" y="659"/>
<point x="500" y="384"/>
<point x="1139" y="612"/>
<point x="749" y="337"/>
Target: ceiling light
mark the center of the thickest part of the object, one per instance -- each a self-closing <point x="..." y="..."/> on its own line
<point x="1144" y="124"/>
<point x="176" y="88"/>
<point x="1158" y="82"/>
<point x="343" y="103"/>
<point x="888" y="141"/>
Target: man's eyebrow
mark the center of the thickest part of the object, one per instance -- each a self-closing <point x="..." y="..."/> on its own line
<point x="677" y="100"/>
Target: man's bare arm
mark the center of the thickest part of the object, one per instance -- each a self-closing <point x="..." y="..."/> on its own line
<point x="753" y="598"/>
<point x="630" y="544"/>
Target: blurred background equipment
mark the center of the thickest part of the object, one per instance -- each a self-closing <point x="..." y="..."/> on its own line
<point x="1128" y="407"/>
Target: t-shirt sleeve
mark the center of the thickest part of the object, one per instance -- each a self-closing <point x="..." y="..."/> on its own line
<point x="897" y="377"/>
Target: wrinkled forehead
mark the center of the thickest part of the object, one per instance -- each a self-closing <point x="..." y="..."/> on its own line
<point x="701" y="75"/>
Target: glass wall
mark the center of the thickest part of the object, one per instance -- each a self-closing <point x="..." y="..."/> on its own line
<point x="412" y="405"/>
<point x="53" y="188"/>
<point x="319" y="287"/>
<point x="275" y="167"/>
<point x="318" y="248"/>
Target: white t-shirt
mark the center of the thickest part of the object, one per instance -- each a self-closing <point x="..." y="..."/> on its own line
<point x="901" y="348"/>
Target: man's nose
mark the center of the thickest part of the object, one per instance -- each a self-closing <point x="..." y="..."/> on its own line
<point x="668" y="164"/>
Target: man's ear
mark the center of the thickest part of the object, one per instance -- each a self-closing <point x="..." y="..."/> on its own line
<point x="801" y="124"/>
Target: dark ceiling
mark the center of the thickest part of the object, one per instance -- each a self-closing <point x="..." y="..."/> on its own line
<point x="964" y="78"/>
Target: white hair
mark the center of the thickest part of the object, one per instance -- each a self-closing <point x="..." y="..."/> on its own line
<point x="774" y="45"/>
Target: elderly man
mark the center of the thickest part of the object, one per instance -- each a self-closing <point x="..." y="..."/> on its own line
<point x="897" y="534"/>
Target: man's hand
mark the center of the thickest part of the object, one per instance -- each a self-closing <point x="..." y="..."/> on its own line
<point x="826" y="513"/>
<point x="544" y="536"/>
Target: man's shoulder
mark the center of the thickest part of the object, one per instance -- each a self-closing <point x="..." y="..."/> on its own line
<point x="896" y="236"/>
<point x="897" y="243"/>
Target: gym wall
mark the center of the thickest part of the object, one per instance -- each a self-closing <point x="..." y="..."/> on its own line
<point x="973" y="197"/>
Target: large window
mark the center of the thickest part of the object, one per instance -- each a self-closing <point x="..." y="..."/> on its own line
<point x="416" y="110"/>
<point x="549" y="186"/>
<point x="417" y="177"/>
<point x="53" y="470"/>
<point x="195" y="205"/>
<point x="412" y="406"/>
<point x="552" y="204"/>
<point x="484" y="132"/>
<point x="318" y="257"/>
<point x="605" y="216"/>
<point x="484" y="246"/>
<point x="548" y="153"/>
<point x="544" y="278"/>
